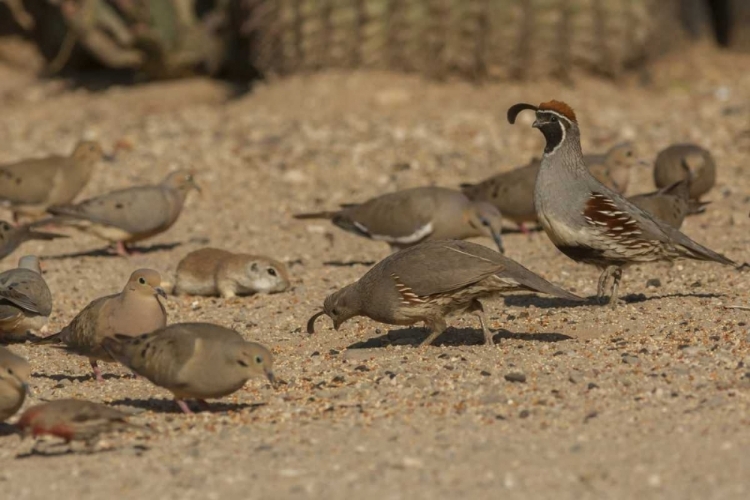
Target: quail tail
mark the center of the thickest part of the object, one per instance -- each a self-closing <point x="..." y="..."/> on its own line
<point x="532" y="281"/>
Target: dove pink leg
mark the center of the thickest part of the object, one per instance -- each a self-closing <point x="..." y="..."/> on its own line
<point x="97" y="371"/>
<point x="525" y="230"/>
<point x="122" y="249"/>
<point x="184" y="407"/>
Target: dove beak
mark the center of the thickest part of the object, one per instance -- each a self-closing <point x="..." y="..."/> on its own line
<point x="498" y="241"/>
<point x="271" y="378"/>
<point x="160" y="292"/>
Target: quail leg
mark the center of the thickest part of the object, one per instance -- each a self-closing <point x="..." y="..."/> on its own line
<point x="477" y="308"/>
<point x="603" y="278"/>
<point x="436" y="328"/>
<point x="617" y="273"/>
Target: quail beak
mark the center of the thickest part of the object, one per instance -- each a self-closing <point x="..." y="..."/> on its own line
<point x="537" y="124"/>
<point x="498" y="241"/>
<point x="271" y="378"/>
<point x="160" y="292"/>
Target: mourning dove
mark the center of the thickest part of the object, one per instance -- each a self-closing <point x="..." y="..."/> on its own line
<point x="686" y="161"/>
<point x="405" y="218"/>
<point x="211" y="271"/>
<point x="134" y="311"/>
<point x="670" y="204"/>
<point x="430" y="281"/>
<point x="25" y="300"/>
<point x="512" y="192"/>
<point x="29" y="187"/>
<point x="14" y="375"/>
<point x="193" y="360"/>
<point x="11" y="237"/>
<point x="73" y="420"/>
<point x="131" y="214"/>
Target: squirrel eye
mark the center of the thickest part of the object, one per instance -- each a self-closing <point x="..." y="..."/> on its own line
<point x="272" y="271"/>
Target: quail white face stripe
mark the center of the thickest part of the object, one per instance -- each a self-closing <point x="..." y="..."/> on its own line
<point x="414" y="237"/>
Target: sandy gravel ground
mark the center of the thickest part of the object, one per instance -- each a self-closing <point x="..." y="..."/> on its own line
<point x="651" y="400"/>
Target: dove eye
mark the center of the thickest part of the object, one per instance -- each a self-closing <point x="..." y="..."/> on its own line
<point x="258" y="359"/>
<point x="142" y="281"/>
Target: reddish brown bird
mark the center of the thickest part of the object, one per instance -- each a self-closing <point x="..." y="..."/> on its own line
<point x="72" y="420"/>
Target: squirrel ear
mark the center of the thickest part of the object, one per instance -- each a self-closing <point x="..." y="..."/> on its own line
<point x="517" y="108"/>
<point x="254" y="266"/>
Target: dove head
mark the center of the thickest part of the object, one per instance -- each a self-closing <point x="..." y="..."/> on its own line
<point x="14" y="370"/>
<point x="487" y="220"/>
<point x="88" y="152"/>
<point x="145" y="282"/>
<point x="343" y="305"/>
<point x="252" y="360"/>
<point x="182" y="181"/>
<point x="30" y="262"/>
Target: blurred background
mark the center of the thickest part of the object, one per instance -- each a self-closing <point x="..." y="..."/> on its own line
<point x="476" y="40"/>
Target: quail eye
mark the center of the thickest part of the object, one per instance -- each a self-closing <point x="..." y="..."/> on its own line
<point x="629" y="154"/>
<point x="258" y="360"/>
<point x="142" y="281"/>
<point x="553" y="119"/>
<point x="272" y="271"/>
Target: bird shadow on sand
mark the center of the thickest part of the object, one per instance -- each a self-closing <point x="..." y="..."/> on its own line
<point x="452" y="337"/>
<point x="7" y="429"/>
<point x="635" y="298"/>
<point x="61" y="449"/>
<point x="169" y="406"/>
<point x="348" y="263"/>
<point x="542" y="301"/>
<point x="109" y="252"/>
<point x="58" y="377"/>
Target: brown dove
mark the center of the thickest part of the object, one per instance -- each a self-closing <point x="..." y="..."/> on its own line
<point x="512" y="192"/>
<point x="686" y="161"/>
<point x="193" y="360"/>
<point x="73" y="420"/>
<point x="11" y="237"/>
<point x="134" y="311"/>
<point x="430" y="281"/>
<point x="211" y="271"/>
<point x="408" y="217"/>
<point x="670" y="204"/>
<point x="14" y="376"/>
<point x="25" y="300"/>
<point x="129" y="215"/>
<point x="29" y="187"/>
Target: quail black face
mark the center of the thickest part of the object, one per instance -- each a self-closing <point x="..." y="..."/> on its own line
<point x="553" y="127"/>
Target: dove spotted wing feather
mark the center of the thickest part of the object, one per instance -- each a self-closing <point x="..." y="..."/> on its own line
<point x="15" y="187"/>
<point x="84" y="333"/>
<point x="27" y="290"/>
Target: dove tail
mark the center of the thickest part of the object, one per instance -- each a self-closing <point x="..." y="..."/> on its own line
<point x="316" y="215"/>
<point x="51" y="339"/>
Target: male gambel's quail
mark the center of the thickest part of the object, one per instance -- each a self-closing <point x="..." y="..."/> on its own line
<point x="589" y="222"/>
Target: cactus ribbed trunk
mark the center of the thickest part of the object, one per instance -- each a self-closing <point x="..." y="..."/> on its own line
<point x="474" y="39"/>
